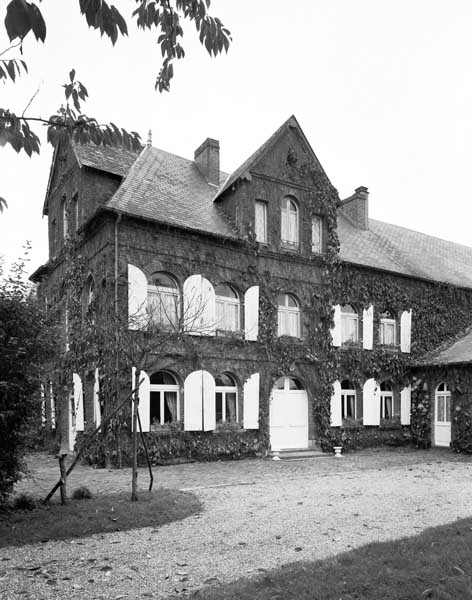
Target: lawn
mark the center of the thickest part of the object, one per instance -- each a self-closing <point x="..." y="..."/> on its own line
<point x="436" y="564"/>
<point x="101" y="514"/>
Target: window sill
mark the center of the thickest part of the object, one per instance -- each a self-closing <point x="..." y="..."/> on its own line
<point x="238" y="335"/>
<point x="290" y="247"/>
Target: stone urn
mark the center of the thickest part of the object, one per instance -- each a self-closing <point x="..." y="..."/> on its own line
<point x="337" y="451"/>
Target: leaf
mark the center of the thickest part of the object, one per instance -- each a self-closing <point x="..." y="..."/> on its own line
<point x="72" y="75"/>
<point x="37" y="23"/>
<point x="3" y="204"/>
<point x="17" y="22"/>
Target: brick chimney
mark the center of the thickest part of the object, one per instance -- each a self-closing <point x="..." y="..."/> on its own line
<point x="356" y="208"/>
<point x="207" y="159"/>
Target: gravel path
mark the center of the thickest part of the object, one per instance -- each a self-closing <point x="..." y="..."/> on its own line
<point x="257" y="515"/>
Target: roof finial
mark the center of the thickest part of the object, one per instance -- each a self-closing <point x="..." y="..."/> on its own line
<point x="149" y="139"/>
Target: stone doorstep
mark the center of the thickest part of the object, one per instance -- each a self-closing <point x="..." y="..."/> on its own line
<point x="291" y="454"/>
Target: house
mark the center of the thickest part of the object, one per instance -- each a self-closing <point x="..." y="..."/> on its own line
<point x="287" y="318"/>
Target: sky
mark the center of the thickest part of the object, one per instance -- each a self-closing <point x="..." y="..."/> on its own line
<point x="380" y="89"/>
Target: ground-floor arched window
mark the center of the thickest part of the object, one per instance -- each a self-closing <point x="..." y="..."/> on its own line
<point x="164" y="402"/>
<point x="348" y="400"/>
<point x="226" y="397"/>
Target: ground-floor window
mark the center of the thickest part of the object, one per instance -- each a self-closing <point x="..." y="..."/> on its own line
<point x="164" y="403"/>
<point x="348" y="400"/>
<point x="226" y="398"/>
<point x="386" y="401"/>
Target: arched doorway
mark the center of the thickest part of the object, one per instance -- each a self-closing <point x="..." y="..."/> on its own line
<point x="288" y="415"/>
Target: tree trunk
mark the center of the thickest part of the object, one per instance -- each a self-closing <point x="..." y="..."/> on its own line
<point x="134" y="440"/>
<point x="63" y="480"/>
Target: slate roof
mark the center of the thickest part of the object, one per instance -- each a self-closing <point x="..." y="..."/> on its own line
<point x="112" y="160"/>
<point x="393" y="248"/>
<point x="457" y="352"/>
<point x="167" y="188"/>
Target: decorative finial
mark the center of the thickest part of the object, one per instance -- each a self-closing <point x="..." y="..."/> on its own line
<point x="149" y="139"/>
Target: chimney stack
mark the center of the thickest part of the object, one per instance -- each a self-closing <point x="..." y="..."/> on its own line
<point x="356" y="208"/>
<point x="207" y="159"/>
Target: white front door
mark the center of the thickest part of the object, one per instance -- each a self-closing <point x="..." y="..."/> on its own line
<point x="288" y="419"/>
<point x="442" y="419"/>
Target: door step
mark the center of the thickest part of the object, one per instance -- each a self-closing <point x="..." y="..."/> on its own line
<point x="289" y="454"/>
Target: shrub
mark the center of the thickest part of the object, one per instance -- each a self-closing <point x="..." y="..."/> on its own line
<point x="24" y="502"/>
<point x="82" y="493"/>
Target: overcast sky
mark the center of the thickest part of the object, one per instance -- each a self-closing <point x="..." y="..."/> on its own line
<point x="382" y="90"/>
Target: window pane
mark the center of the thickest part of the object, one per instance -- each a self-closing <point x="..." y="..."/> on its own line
<point x="261" y="222"/>
<point x="170" y="407"/>
<point x="294" y="384"/>
<point x="388" y="407"/>
<point x="448" y="409"/>
<point x="440" y="416"/>
<point x="155" y="407"/>
<point x="316" y="234"/>
<point x="219" y="407"/>
<point x="351" y="406"/>
<point x="348" y="328"/>
<point x="230" y="407"/>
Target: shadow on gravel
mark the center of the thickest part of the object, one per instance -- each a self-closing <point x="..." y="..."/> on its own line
<point x="437" y="564"/>
<point x="102" y="514"/>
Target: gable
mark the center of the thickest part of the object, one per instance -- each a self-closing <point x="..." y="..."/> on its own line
<point x="62" y="161"/>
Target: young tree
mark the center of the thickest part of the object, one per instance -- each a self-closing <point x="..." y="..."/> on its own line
<point x="24" y="19"/>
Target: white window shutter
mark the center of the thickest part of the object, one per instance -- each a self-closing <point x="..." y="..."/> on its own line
<point x="137" y="298"/>
<point x="405" y="331"/>
<point x="251" y="313"/>
<point x="199" y="306"/>
<point x="336" y="413"/>
<point x="193" y="401"/>
<point x="336" y="330"/>
<point x="251" y="402"/>
<point x="144" y="398"/>
<point x="371" y="402"/>
<point x="78" y="402"/>
<point x="368" y="327"/>
<point x="97" y="415"/>
<point x="209" y="402"/>
<point x="405" y="405"/>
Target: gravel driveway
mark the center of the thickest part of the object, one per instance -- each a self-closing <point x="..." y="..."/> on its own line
<point x="256" y="515"/>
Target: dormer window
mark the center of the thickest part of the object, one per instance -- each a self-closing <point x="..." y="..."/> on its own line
<point x="289" y="233"/>
<point x="261" y="222"/>
<point x="387" y="329"/>
<point x="316" y="234"/>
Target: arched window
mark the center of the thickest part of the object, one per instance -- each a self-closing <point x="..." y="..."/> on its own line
<point x="164" y="402"/>
<point x="163" y="299"/>
<point x="228" y="308"/>
<point x="289" y="233"/>
<point x="226" y="396"/>
<point x="348" y="400"/>
<point x="386" y="401"/>
<point x="387" y="329"/>
<point x="443" y="403"/>
<point x="288" y="316"/>
<point x="288" y="384"/>
<point x="349" y="324"/>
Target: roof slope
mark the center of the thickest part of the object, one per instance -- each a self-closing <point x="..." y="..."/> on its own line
<point x="459" y="351"/>
<point x="164" y="187"/>
<point x="405" y="251"/>
<point x="112" y="160"/>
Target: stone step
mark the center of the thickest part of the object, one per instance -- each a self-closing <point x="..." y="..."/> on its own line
<point x="289" y="454"/>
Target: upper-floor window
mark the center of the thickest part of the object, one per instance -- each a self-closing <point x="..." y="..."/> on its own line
<point x="289" y="222"/>
<point x="64" y="217"/>
<point x="316" y="234"/>
<point x="288" y="316"/>
<point x="75" y="207"/>
<point x="386" y="401"/>
<point x="387" y="329"/>
<point x="261" y="222"/>
<point x="348" y="400"/>
<point x="163" y="299"/>
<point x="349" y="324"/>
<point x="228" y="308"/>
<point x="226" y="397"/>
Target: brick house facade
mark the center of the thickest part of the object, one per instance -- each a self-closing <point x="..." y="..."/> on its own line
<point x="239" y="265"/>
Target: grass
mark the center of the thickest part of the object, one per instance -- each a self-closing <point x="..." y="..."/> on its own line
<point x="435" y="565"/>
<point x="101" y="514"/>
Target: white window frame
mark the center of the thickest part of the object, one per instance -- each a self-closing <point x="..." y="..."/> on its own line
<point x="386" y="322"/>
<point x="155" y="293"/>
<point x="161" y="389"/>
<point x="260" y="221"/>
<point x="223" y="390"/>
<point x="445" y="397"/>
<point x="318" y="221"/>
<point x="384" y="395"/>
<point x="289" y="223"/>
<point x="226" y="308"/>
<point x="284" y="314"/>
<point x="345" y="392"/>
<point x="345" y="317"/>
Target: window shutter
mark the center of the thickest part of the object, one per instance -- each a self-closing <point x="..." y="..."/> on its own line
<point x="336" y="330"/>
<point x="405" y="331"/>
<point x="137" y="298"/>
<point x="144" y="398"/>
<point x="251" y="313"/>
<point x="371" y="398"/>
<point x="405" y="405"/>
<point x="336" y="413"/>
<point x="78" y="402"/>
<point x="199" y="306"/>
<point x="97" y="415"/>
<point x="251" y="402"/>
<point x="209" y="404"/>
<point x="193" y="390"/>
<point x="368" y="327"/>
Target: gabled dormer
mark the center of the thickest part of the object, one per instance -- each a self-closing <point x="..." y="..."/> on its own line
<point x="278" y="194"/>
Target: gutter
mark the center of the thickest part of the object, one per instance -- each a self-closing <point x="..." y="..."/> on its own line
<point x="117" y="222"/>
